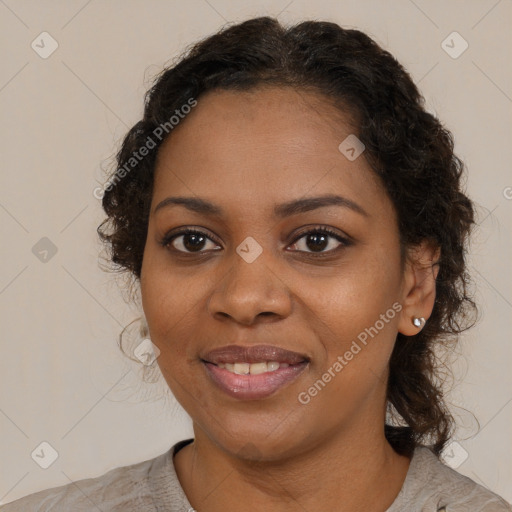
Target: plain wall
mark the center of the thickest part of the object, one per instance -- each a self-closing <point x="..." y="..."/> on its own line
<point x="63" y="378"/>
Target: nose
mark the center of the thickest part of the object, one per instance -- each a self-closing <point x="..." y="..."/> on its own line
<point x="250" y="293"/>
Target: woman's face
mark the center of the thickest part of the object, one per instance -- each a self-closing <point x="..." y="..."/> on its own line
<point x="253" y="276"/>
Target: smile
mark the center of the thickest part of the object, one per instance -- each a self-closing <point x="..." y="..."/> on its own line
<point x="254" y="382"/>
<point x="253" y="368"/>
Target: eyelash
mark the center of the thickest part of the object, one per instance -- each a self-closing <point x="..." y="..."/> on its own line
<point x="170" y="237"/>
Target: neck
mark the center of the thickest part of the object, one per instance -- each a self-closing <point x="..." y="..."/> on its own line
<point x="348" y="472"/>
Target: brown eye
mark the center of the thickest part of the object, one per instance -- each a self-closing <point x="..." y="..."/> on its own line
<point x="319" y="241"/>
<point x="189" y="241"/>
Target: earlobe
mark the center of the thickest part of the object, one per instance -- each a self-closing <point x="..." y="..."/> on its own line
<point x="419" y="290"/>
<point x="418" y="322"/>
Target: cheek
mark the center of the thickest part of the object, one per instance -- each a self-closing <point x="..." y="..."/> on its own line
<point x="356" y="327"/>
<point x="171" y="306"/>
<point x="354" y="296"/>
<point x="165" y="292"/>
<point x="174" y="303"/>
<point x="355" y="317"/>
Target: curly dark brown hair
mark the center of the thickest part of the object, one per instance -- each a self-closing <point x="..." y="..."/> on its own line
<point x="407" y="147"/>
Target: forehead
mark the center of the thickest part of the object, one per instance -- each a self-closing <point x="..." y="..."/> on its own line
<point x="270" y="144"/>
<point x="273" y="116"/>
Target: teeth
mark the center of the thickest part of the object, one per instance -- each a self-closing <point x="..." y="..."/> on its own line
<point x="257" y="368"/>
<point x="242" y="368"/>
<point x="273" y="365"/>
<point x="254" y="368"/>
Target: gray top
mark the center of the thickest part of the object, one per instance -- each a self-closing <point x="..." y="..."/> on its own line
<point x="152" y="486"/>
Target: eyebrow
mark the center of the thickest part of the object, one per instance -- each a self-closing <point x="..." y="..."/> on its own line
<point x="294" y="207"/>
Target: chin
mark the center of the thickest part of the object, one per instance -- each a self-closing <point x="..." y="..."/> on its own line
<point x="256" y="444"/>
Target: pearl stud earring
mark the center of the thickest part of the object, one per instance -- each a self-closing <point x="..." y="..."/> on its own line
<point x="418" y="322"/>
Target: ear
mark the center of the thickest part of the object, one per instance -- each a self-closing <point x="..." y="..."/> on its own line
<point x="418" y="285"/>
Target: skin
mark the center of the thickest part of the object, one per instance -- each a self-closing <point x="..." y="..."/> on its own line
<point x="247" y="152"/>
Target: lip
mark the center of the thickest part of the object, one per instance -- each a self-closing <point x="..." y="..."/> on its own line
<point x="253" y="387"/>
<point x="254" y="354"/>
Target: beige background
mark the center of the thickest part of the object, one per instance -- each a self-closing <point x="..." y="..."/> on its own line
<point x="63" y="378"/>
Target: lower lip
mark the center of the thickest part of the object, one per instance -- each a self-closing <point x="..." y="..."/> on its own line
<point x="253" y="387"/>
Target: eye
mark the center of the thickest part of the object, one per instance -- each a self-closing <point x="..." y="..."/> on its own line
<point x="189" y="241"/>
<point x="319" y="240"/>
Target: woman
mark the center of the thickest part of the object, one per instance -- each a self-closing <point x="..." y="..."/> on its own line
<point x="295" y="220"/>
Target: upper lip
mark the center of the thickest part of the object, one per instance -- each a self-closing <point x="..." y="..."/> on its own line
<point x="255" y="354"/>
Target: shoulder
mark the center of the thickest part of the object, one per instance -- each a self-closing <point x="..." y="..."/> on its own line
<point x="432" y="486"/>
<point x="121" y="489"/>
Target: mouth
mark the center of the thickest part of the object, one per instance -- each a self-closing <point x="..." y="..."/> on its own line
<point x="253" y="373"/>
